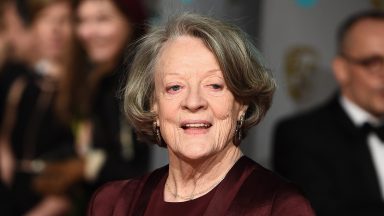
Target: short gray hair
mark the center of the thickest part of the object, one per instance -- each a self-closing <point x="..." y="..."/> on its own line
<point x="246" y="77"/>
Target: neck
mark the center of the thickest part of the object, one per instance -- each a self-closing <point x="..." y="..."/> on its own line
<point x="194" y="178"/>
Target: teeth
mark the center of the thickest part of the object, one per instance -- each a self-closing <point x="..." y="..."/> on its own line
<point x="197" y="125"/>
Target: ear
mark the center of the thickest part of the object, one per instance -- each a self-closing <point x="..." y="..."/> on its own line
<point x="154" y="107"/>
<point x="243" y="110"/>
<point x="154" y="110"/>
<point x="340" y="70"/>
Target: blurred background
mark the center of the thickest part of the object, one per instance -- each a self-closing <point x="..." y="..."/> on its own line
<point x="62" y="67"/>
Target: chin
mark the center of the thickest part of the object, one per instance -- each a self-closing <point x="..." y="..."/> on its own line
<point x="193" y="157"/>
<point x="196" y="152"/>
<point x="99" y="59"/>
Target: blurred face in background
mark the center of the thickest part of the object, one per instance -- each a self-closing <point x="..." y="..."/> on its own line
<point x="103" y="30"/>
<point x="360" y="71"/>
<point x="53" y="28"/>
<point x="18" y="37"/>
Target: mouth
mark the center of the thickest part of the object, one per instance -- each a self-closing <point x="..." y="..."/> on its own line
<point x="196" y="127"/>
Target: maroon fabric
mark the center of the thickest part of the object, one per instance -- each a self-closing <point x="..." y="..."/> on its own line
<point x="248" y="189"/>
<point x="157" y="205"/>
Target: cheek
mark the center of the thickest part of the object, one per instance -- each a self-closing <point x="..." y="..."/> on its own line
<point x="170" y="132"/>
<point x="222" y="113"/>
<point x="224" y="108"/>
<point x="68" y="32"/>
<point x="115" y="31"/>
<point x="42" y="38"/>
<point x="225" y="114"/>
<point x="40" y="32"/>
<point x="363" y="86"/>
<point x="169" y="110"/>
<point x="168" y="119"/>
<point x="224" y="130"/>
<point x="83" y="31"/>
<point x="114" y="40"/>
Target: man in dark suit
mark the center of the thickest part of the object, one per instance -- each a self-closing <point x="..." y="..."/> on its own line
<point x="334" y="152"/>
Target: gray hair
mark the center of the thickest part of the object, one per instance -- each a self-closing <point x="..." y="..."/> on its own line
<point x="248" y="80"/>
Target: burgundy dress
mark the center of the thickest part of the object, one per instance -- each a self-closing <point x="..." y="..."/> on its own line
<point x="157" y="205"/>
<point x="248" y="189"/>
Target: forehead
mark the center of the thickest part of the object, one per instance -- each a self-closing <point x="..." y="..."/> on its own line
<point x="366" y="37"/>
<point x="96" y="6"/>
<point x="185" y="54"/>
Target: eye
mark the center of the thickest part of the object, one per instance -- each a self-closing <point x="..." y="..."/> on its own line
<point x="373" y="62"/>
<point x="173" y="88"/>
<point x="216" y="86"/>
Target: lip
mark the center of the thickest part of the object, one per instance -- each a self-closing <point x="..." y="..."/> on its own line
<point x="195" y="130"/>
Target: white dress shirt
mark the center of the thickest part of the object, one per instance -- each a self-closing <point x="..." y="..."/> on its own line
<point x="376" y="146"/>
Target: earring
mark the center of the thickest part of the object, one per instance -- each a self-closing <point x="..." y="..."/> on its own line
<point x="156" y="132"/>
<point x="238" y="134"/>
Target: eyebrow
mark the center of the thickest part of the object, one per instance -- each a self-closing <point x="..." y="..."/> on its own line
<point x="177" y="74"/>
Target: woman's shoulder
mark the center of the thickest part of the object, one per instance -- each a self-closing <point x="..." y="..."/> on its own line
<point x="106" y="198"/>
<point x="114" y="188"/>
<point x="120" y="197"/>
<point x="275" y="193"/>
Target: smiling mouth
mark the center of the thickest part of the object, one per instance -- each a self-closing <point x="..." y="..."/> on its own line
<point x="187" y="126"/>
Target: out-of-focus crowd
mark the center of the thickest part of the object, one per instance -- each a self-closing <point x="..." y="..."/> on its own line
<point x="62" y="132"/>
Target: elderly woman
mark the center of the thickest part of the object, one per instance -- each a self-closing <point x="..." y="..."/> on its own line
<point x="196" y="86"/>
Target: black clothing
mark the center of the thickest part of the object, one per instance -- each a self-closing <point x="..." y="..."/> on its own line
<point x="37" y="133"/>
<point x="8" y="73"/>
<point x="109" y="125"/>
<point x="327" y="155"/>
<point x="5" y="195"/>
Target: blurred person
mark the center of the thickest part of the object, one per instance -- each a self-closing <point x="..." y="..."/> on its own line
<point x="106" y="144"/>
<point x="335" y="151"/>
<point x="17" y="30"/>
<point x="10" y="69"/>
<point x="196" y="86"/>
<point x="5" y="207"/>
<point x="105" y="28"/>
<point x="36" y="127"/>
<point x="16" y="47"/>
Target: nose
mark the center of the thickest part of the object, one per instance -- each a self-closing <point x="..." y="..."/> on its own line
<point x="194" y="100"/>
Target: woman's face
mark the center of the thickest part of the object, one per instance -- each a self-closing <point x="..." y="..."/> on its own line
<point x="197" y="113"/>
<point x="102" y="29"/>
<point x="53" y="29"/>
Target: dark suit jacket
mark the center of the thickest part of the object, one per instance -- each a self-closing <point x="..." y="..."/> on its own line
<point x="5" y="205"/>
<point x="324" y="153"/>
<point x="261" y="193"/>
